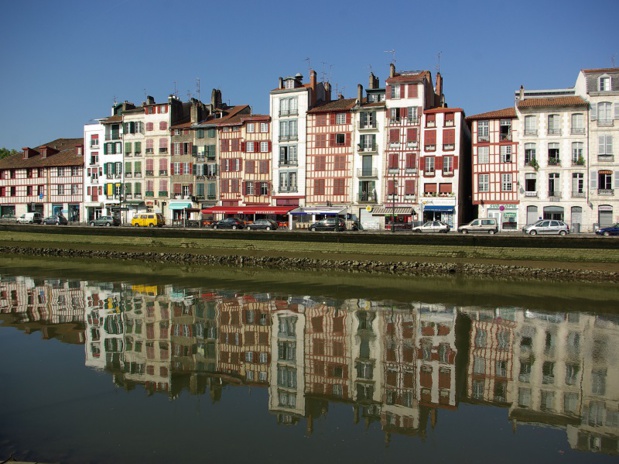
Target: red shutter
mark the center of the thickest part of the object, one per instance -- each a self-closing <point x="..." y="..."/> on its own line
<point x="347" y="140"/>
<point x="455" y="162"/>
<point x="422" y="163"/>
<point x="394" y="135"/>
<point x="332" y="119"/>
<point x="411" y="135"/>
<point x="393" y="161"/>
<point x="243" y="147"/>
<point x="409" y="187"/>
<point x="388" y="92"/>
<point x="403" y="113"/>
<point x="449" y="136"/>
<point x="256" y="188"/>
<point x="438" y="163"/>
<point x="331" y="140"/>
<point x="347" y="118"/>
<point x="430" y="137"/>
<point x="412" y="91"/>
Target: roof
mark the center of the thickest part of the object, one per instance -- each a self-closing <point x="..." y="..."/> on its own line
<point x="66" y="155"/>
<point x="497" y="114"/>
<point x="601" y="71"/>
<point x="231" y="116"/>
<point x="410" y="76"/>
<point x="443" y="110"/>
<point x="340" y="104"/>
<point x="552" y="101"/>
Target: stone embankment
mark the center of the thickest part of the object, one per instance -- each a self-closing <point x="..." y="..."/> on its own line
<point x="495" y="271"/>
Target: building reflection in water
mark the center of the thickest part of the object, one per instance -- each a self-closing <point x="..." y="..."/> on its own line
<point x="396" y="364"/>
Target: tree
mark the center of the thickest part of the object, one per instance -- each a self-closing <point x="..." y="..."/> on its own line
<point x="4" y="152"/>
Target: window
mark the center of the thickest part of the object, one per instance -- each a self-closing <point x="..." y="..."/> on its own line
<point x="60" y="189"/>
<point x="429" y="165"/>
<point x="60" y="172"/>
<point x="288" y="106"/>
<point x="249" y="147"/>
<point x="553" y="185"/>
<point x="529" y="153"/>
<point x="367" y="142"/>
<point x="340" y="118"/>
<point x="482" y="131"/>
<point x="251" y="127"/>
<point x="604" y="113"/>
<point x="530" y="125"/>
<point x="577" y="153"/>
<point x="340" y="139"/>
<point x="367" y="120"/>
<point x="506" y="182"/>
<point x="505" y="129"/>
<point x="553" y="154"/>
<point x="483" y="184"/>
<point x="288" y="155"/>
<point x="578" y="123"/>
<point x="288" y="181"/>
<point x="506" y="153"/>
<point x="264" y="127"/>
<point x="249" y="188"/>
<point x="448" y="165"/>
<point x="530" y="184"/>
<point x="264" y="147"/>
<point x="288" y="130"/>
<point x="605" y="145"/>
<point x="554" y="124"/>
<point x="339" y="186"/>
<point x="483" y="155"/>
<point x="604" y="83"/>
<point x="395" y="91"/>
<point x="578" y="184"/>
<point x="319" y="186"/>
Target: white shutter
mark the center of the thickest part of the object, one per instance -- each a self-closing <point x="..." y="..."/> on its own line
<point x="593" y="180"/>
<point x="601" y="144"/>
<point x="616" y="180"/>
<point x="616" y="110"/>
<point x="594" y="112"/>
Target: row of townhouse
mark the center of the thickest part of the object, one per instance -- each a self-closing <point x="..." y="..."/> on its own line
<point x="551" y="156"/>
<point x="393" y="153"/>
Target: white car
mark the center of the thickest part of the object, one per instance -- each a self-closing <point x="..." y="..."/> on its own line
<point x="433" y="226"/>
<point x="547" y="226"/>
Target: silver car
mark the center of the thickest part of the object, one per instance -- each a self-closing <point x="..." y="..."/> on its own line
<point x="547" y="226"/>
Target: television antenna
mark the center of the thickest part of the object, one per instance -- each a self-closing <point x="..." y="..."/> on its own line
<point x="438" y="62"/>
<point x="392" y="55"/>
<point x="198" y="87"/>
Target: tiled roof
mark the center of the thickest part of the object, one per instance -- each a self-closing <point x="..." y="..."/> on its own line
<point x="340" y="104"/>
<point x="112" y="119"/>
<point x="497" y="114"/>
<point x="601" y="71"/>
<point x="551" y="101"/>
<point x="444" y="110"/>
<point x="411" y="76"/>
<point x="66" y="155"/>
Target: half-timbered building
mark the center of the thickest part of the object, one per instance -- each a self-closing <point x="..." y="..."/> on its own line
<point x="47" y="179"/>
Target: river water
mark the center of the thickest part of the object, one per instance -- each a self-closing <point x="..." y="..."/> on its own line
<point x="156" y="364"/>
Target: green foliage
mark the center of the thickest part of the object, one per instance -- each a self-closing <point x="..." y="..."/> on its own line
<point x="4" y="152"/>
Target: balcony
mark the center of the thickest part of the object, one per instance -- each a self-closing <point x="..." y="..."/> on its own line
<point x="605" y="123"/>
<point x="366" y="198"/>
<point x="288" y="189"/>
<point x="578" y="131"/>
<point x="606" y="158"/>
<point x="128" y="175"/>
<point x="449" y="146"/>
<point x="410" y="170"/>
<point x="137" y="196"/>
<point x="149" y="193"/>
<point x="367" y="172"/>
<point x="412" y="121"/>
<point x="288" y="138"/>
<point x="137" y="174"/>
<point x="211" y="196"/>
<point x="149" y="173"/>
<point x="530" y="194"/>
<point x="286" y="113"/>
<point x="429" y="147"/>
<point x="505" y="137"/>
<point x="366" y="126"/>
<point x="285" y="162"/>
<point x="449" y="123"/>
<point x="554" y="131"/>
<point x="137" y="153"/>
<point x="367" y="148"/>
<point x="412" y="145"/>
<point x="606" y="192"/>
<point x="530" y="132"/>
<point x="163" y="172"/>
<point x="554" y="162"/>
<point x="163" y="193"/>
<point x="578" y="195"/>
<point x="554" y="195"/>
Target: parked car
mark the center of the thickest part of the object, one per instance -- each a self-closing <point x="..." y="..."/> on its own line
<point x="30" y="218"/>
<point x="607" y="231"/>
<point x="480" y="225"/>
<point x="148" y="220"/>
<point x="263" y="224"/>
<point x="547" y="226"/>
<point x="432" y="226"/>
<point x="229" y="223"/>
<point x="333" y="224"/>
<point x="56" y="220"/>
<point x="106" y="221"/>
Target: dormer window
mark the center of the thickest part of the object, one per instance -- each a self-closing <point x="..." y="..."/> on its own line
<point x="604" y="83"/>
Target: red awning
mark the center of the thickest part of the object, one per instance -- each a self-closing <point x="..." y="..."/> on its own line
<point x="248" y="209"/>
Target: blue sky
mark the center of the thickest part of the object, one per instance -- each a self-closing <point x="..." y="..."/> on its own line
<point x="65" y="62"/>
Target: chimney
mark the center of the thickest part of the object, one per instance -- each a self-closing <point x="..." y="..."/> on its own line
<point x="281" y="83"/>
<point x="392" y="70"/>
<point x="47" y="151"/>
<point x="150" y="100"/>
<point x="522" y="92"/>
<point x="373" y="84"/>
<point x="359" y="93"/>
<point x="439" y="89"/>
<point x="313" y="79"/>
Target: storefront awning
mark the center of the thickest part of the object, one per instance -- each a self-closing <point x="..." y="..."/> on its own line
<point x="326" y="210"/>
<point x="439" y="208"/>
<point x="247" y="210"/>
<point x="180" y="204"/>
<point x="388" y="211"/>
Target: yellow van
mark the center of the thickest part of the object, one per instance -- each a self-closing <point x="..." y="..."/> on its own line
<point x="148" y="220"/>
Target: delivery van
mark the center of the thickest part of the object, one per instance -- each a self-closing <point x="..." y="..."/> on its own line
<point x="30" y="218"/>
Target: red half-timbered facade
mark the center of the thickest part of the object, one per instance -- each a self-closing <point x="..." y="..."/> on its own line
<point x="330" y="153"/>
<point x="495" y="165"/>
<point x="47" y="179"/>
<point x="256" y="143"/>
